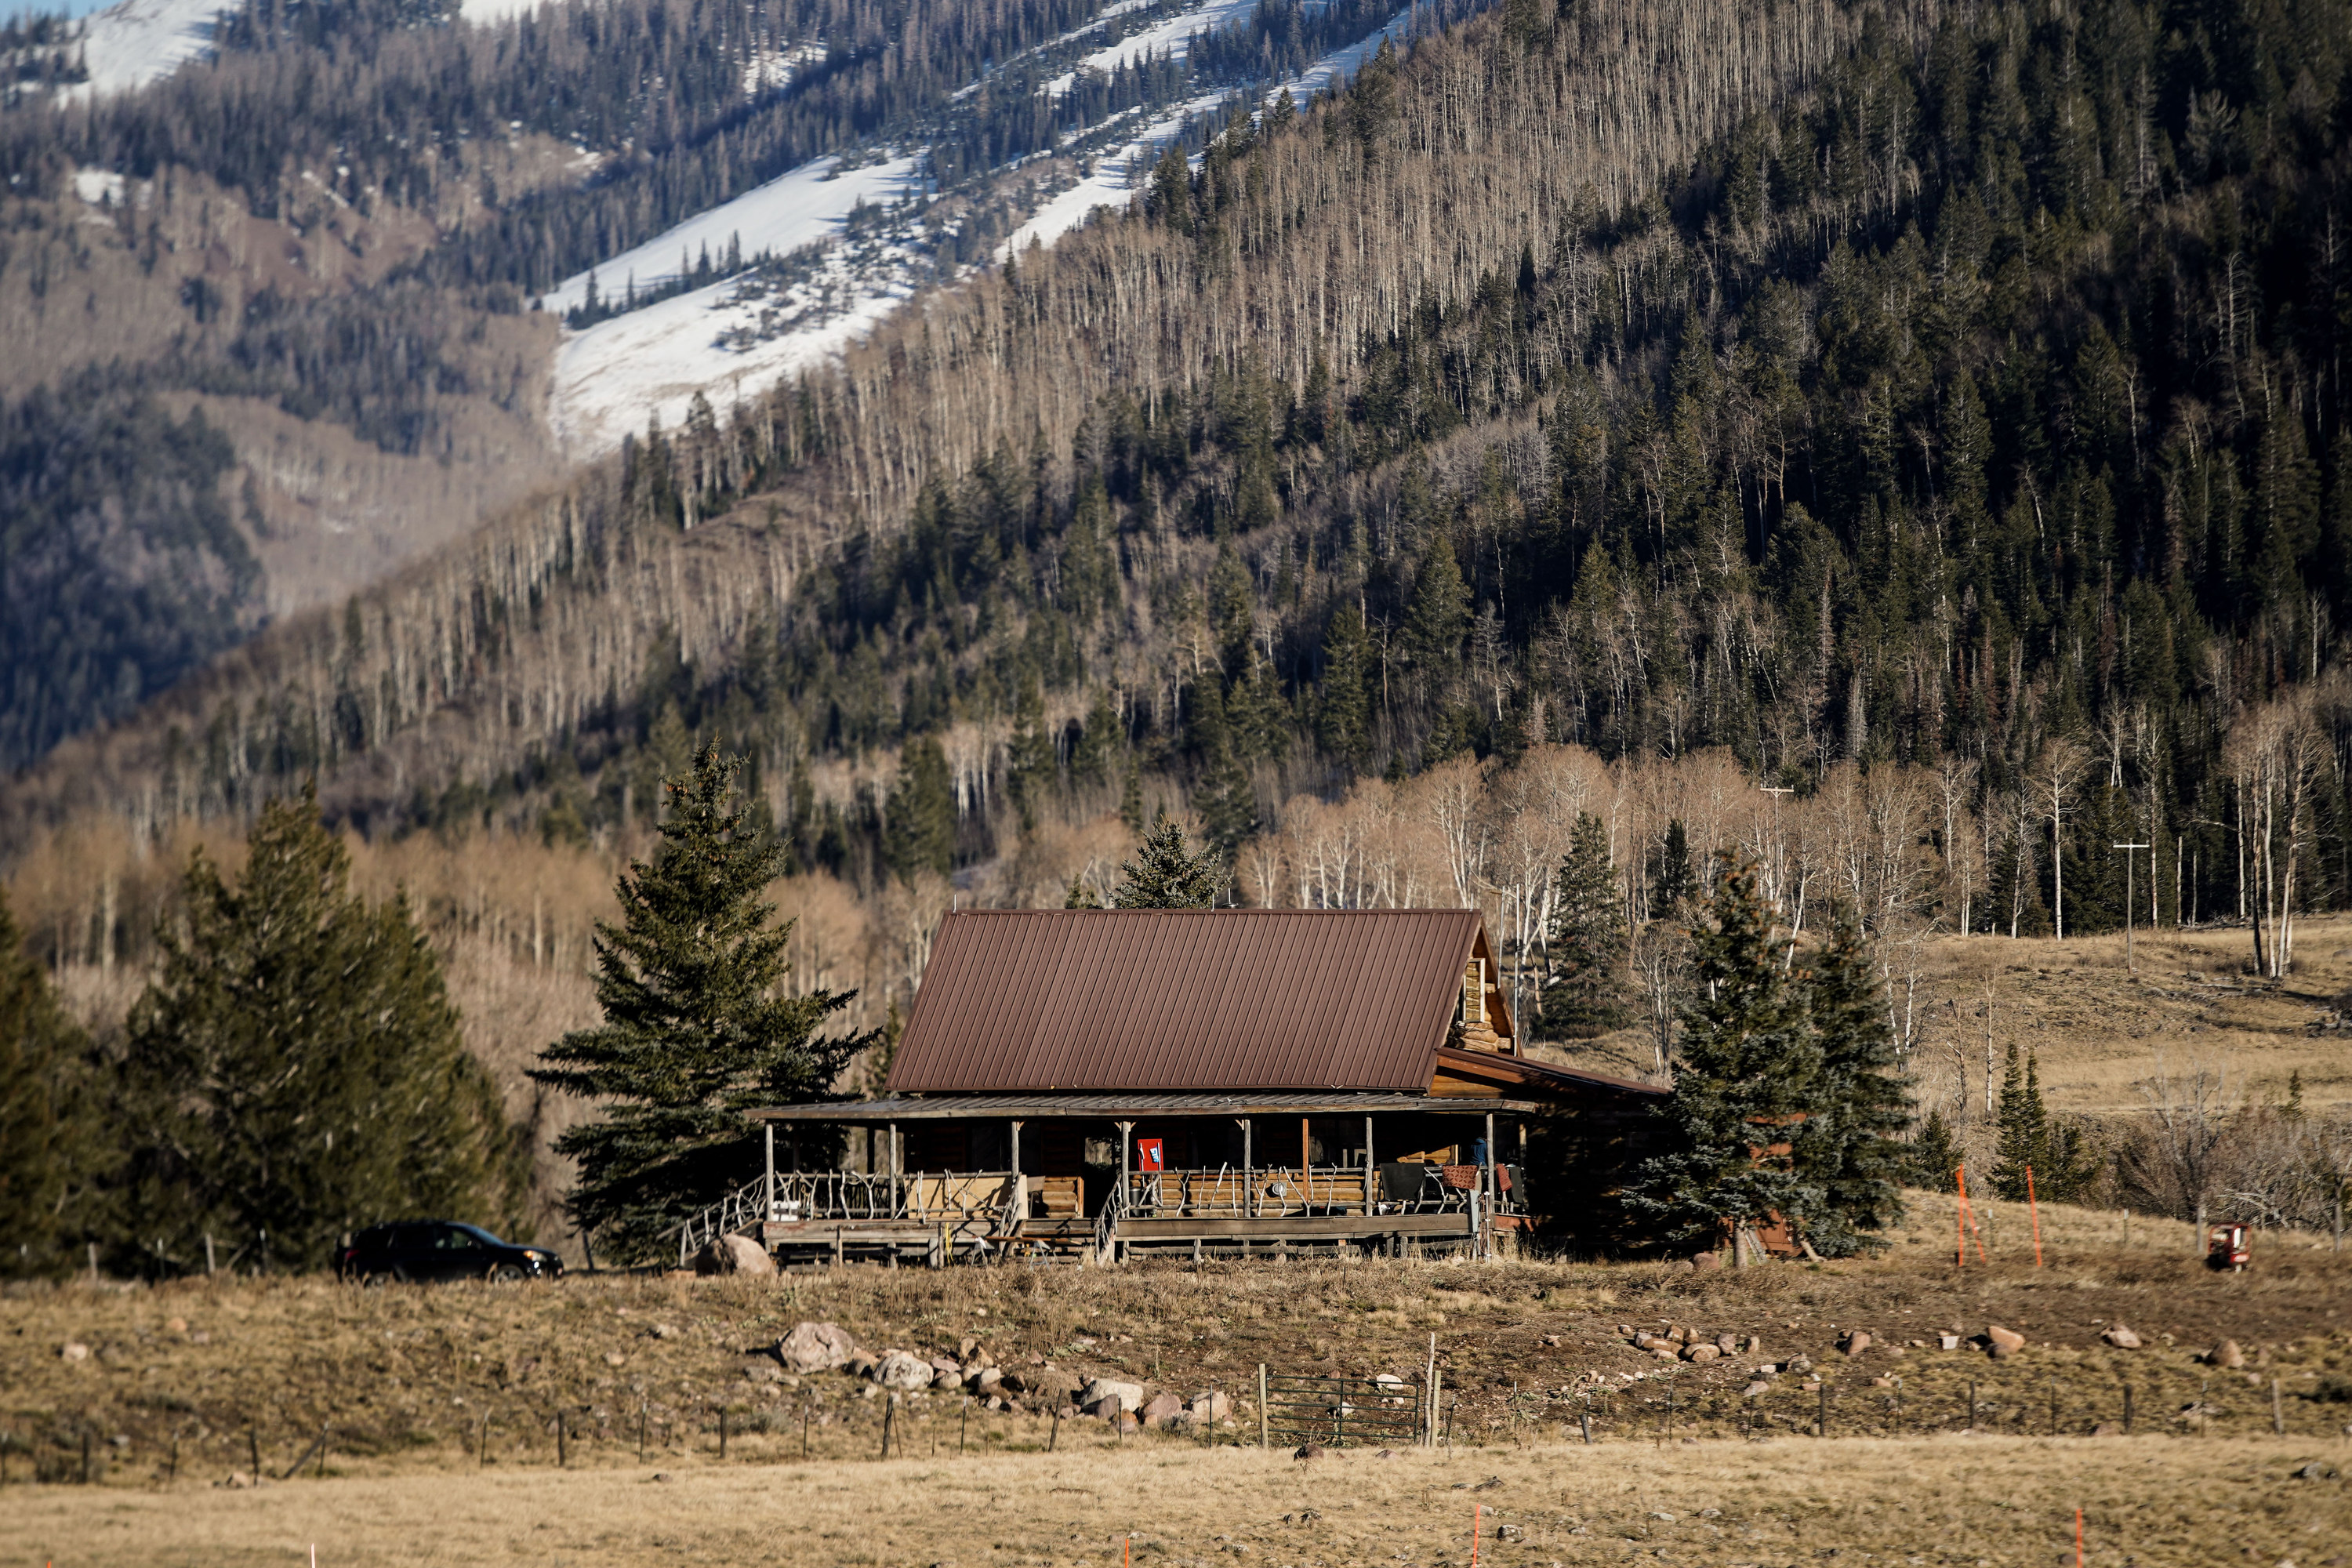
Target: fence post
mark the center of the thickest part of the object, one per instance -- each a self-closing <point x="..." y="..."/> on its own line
<point x="1262" y="1424"/>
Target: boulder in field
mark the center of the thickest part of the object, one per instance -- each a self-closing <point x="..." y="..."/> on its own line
<point x="2004" y="1341"/>
<point x="2226" y="1355"/>
<point x="1856" y="1342"/>
<point x="815" y="1347"/>
<point x="2122" y="1337"/>
<point x="898" y="1369"/>
<point x="1700" y="1353"/>
<point x="1128" y="1394"/>
<point x="1161" y="1409"/>
<point x="733" y="1254"/>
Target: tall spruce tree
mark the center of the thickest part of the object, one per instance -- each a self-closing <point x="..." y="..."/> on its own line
<point x="1439" y="617"/>
<point x="1590" y="942"/>
<point x="54" y="1142"/>
<point x="1850" y="1142"/>
<point x="1343" y="718"/>
<point x="1748" y="1071"/>
<point x="2057" y="1152"/>
<point x="699" y="1026"/>
<point x="295" y="1070"/>
<point x="919" y="830"/>
<point x="1165" y="875"/>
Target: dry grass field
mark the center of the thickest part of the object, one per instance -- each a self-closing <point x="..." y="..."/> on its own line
<point x="2101" y="1030"/>
<point x="2144" y="1501"/>
<point x="440" y="1409"/>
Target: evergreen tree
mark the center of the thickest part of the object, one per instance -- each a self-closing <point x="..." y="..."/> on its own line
<point x="1131" y="799"/>
<point x="919" y="831"/>
<point x="1343" y="721"/>
<point x="698" y="1027"/>
<point x="1589" y="943"/>
<point x="1029" y="768"/>
<point x="1439" y="617"/>
<point x="1933" y="1154"/>
<point x="1098" y="742"/>
<point x="1850" y="1142"/>
<point x="53" y="1140"/>
<point x="1672" y="882"/>
<point x="1165" y="875"/>
<point x="295" y="1070"/>
<point x="1749" y="1071"/>
<point x="2058" y="1151"/>
<point x="1080" y="896"/>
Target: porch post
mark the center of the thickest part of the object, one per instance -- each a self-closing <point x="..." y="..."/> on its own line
<point x="767" y="1189"/>
<point x="1020" y="1183"/>
<point x="896" y="1156"/>
<point x="1126" y="1135"/>
<point x="1249" y="1180"/>
<point x="1491" y="1193"/>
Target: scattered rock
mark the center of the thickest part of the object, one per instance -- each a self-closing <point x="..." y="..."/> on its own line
<point x="2004" y="1341"/>
<point x="2226" y="1355"/>
<point x="2122" y="1337"/>
<point x="1128" y="1394"/>
<point x="614" y="1358"/>
<point x="1213" y="1405"/>
<point x="1490" y="1484"/>
<point x="2315" y="1471"/>
<point x="898" y="1369"/>
<point x="176" y="1325"/>
<point x="73" y="1349"/>
<point x="1551" y="1340"/>
<point x="1727" y="1343"/>
<point x="1759" y="1386"/>
<point x="1802" y="1365"/>
<point x="1701" y="1353"/>
<point x="733" y="1254"/>
<point x="1520" y="1531"/>
<point x="661" y="1332"/>
<point x="1304" y="1516"/>
<point x="1856" y="1342"/>
<point x="762" y="1369"/>
<point x="1646" y="1341"/>
<point x="1161" y="1409"/>
<point x="815" y="1347"/>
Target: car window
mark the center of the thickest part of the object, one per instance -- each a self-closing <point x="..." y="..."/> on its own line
<point x="452" y="1238"/>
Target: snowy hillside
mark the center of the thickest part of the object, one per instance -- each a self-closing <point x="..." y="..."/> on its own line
<point x="827" y="279"/>
<point x="134" y="42"/>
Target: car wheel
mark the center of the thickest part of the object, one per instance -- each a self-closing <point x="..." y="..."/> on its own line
<point x="508" y="1274"/>
<point x="374" y="1281"/>
<point x="400" y="1274"/>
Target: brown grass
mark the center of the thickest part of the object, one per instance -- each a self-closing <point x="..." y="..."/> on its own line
<point x="2152" y="1501"/>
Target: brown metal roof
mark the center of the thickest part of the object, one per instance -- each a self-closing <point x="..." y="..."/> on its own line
<point x="1280" y="1104"/>
<point x="1174" y="1000"/>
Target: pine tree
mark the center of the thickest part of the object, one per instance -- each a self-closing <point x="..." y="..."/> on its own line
<point x="698" y="1027"/>
<point x="2059" y="1153"/>
<point x="1029" y="768"/>
<point x="1589" y="943"/>
<point x="2024" y="1128"/>
<point x="1749" y="1071"/>
<point x="1933" y="1154"/>
<point x="1165" y="875"/>
<point x="1850" y="1141"/>
<point x="1439" y="617"/>
<point x="295" y="1070"/>
<point x="1080" y="896"/>
<point x="54" y="1144"/>
<point x="1672" y="883"/>
<point x="918" y="832"/>
<point x="1098" y="742"/>
<point x="1343" y="721"/>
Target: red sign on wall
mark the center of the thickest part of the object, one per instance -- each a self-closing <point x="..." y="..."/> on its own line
<point x="1147" y="1156"/>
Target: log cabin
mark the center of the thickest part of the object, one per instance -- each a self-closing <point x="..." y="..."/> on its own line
<point x="1108" y="1083"/>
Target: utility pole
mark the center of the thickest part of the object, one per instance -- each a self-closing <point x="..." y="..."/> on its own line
<point x="2128" y="864"/>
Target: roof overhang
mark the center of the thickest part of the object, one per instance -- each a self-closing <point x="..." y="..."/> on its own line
<point x="1135" y="1107"/>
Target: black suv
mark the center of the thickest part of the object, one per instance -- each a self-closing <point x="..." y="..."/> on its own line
<point x="418" y="1251"/>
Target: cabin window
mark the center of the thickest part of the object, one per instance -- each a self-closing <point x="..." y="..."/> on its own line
<point x="1474" y="992"/>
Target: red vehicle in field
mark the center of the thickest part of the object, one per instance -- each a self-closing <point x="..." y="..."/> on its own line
<point x="2225" y="1249"/>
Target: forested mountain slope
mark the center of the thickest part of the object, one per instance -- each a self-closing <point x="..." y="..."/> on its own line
<point x="327" y="239"/>
<point x="1906" y="385"/>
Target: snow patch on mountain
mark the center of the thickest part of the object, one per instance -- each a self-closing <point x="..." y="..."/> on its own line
<point x="486" y="13"/>
<point x="134" y="42"/>
<point x="794" y="209"/>
<point x="735" y="338"/>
